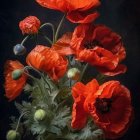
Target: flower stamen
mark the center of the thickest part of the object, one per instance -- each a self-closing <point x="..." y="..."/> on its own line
<point x="103" y="105"/>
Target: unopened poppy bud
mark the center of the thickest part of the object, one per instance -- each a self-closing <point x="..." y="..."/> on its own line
<point x="19" y="49"/>
<point x="16" y="74"/>
<point x="73" y="73"/>
<point x="39" y="115"/>
<point x="13" y="135"/>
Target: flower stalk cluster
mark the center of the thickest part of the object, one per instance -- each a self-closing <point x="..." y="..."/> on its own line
<point x="63" y="102"/>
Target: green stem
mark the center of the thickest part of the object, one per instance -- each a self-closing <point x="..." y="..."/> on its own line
<point x="36" y="80"/>
<point x="59" y="27"/>
<point x="84" y="70"/>
<point x="25" y="39"/>
<point x="36" y="37"/>
<point x="52" y="26"/>
<point x="20" y="120"/>
<point x="49" y="40"/>
<point x="30" y="67"/>
<point x="32" y="77"/>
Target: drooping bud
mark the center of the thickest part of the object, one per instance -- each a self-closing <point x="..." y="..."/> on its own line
<point x="13" y="135"/>
<point x="19" y="49"/>
<point x="39" y="115"/>
<point x="73" y="73"/>
<point x="16" y="74"/>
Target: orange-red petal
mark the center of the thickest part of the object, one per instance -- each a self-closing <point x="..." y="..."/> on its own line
<point x="77" y="11"/>
<point x="13" y="88"/>
<point x="82" y="16"/>
<point x="62" y="46"/>
<point x="116" y="121"/>
<point x="47" y="60"/>
<point x="30" y="25"/>
<point x="79" y="116"/>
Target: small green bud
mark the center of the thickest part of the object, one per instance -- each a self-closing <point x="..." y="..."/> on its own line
<point x="39" y="115"/>
<point x="16" y="74"/>
<point x="13" y="135"/>
<point x="73" y="74"/>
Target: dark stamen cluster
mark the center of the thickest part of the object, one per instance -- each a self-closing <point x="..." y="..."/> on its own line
<point x="103" y="104"/>
<point x="91" y="44"/>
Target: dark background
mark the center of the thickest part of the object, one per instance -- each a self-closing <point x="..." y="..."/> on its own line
<point x="123" y="16"/>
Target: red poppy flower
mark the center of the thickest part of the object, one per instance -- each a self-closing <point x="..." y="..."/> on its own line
<point x="99" y="46"/>
<point x="30" y="25"/>
<point x="110" y="108"/>
<point x="47" y="60"/>
<point x="13" y="88"/>
<point x="79" y="93"/>
<point x="82" y="11"/>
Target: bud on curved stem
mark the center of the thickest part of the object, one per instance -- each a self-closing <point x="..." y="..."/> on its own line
<point x="19" y="49"/>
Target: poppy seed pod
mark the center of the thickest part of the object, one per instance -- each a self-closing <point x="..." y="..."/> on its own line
<point x="39" y="115"/>
<point x="73" y="73"/>
<point x="12" y="135"/>
<point x="19" y="49"/>
<point x="16" y="74"/>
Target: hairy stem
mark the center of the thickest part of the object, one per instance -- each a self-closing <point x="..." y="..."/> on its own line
<point x="52" y="27"/>
<point x="59" y="27"/>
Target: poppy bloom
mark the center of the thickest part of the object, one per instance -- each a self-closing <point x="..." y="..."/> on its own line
<point x="13" y="88"/>
<point x="30" y="25"/>
<point x="47" y="60"/>
<point x="100" y="47"/>
<point x="79" y="93"/>
<point x="110" y="108"/>
<point x="82" y="11"/>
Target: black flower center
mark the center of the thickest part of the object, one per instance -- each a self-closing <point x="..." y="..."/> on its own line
<point x="103" y="105"/>
<point x="92" y="44"/>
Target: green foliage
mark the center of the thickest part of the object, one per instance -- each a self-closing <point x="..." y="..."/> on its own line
<point x="89" y="132"/>
<point x="61" y="117"/>
<point x="56" y="100"/>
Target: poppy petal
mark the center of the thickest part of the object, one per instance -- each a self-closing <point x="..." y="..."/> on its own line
<point x="13" y="88"/>
<point x="62" y="46"/>
<point x="120" y="69"/>
<point x="82" y="17"/>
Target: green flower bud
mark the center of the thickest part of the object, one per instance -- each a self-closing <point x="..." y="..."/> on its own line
<point x="16" y="74"/>
<point x="73" y="74"/>
<point x="12" y="135"/>
<point x="39" y="115"/>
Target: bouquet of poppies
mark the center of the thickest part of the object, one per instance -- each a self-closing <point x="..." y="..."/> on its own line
<point x="62" y="102"/>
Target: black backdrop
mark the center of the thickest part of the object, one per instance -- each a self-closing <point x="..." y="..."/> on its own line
<point x="123" y="16"/>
